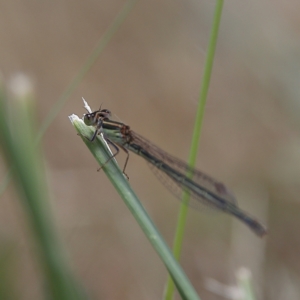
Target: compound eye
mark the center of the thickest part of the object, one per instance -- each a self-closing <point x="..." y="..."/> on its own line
<point x="88" y="119"/>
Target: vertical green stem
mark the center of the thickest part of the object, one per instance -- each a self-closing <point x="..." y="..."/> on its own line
<point x="18" y="147"/>
<point x="196" y="136"/>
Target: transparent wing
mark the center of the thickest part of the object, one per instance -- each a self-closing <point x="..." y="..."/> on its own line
<point x="177" y="187"/>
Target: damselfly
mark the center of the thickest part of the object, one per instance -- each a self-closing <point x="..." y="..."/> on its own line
<point x="176" y="174"/>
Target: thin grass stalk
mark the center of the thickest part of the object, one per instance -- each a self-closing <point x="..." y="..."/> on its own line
<point x="179" y="233"/>
<point x="121" y="184"/>
<point x="18" y="148"/>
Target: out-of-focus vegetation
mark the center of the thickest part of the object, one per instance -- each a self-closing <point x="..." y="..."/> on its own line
<point x="148" y="76"/>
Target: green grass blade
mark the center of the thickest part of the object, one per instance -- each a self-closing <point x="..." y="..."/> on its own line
<point x="121" y="184"/>
<point x="19" y="150"/>
<point x="113" y="28"/>
<point x="196" y="137"/>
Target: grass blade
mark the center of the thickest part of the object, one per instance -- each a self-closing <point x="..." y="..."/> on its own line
<point x="178" y="239"/>
<point x="87" y="65"/>
<point x="117" y="178"/>
<point x="19" y="150"/>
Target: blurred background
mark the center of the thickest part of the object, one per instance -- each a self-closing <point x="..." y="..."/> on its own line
<point x="149" y="76"/>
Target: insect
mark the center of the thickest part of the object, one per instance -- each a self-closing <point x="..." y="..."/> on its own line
<point x="173" y="172"/>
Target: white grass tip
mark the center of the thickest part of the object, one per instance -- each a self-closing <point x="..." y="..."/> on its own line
<point x="21" y="85"/>
<point x="223" y="290"/>
<point x="74" y="118"/>
<point x="243" y="274"/>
